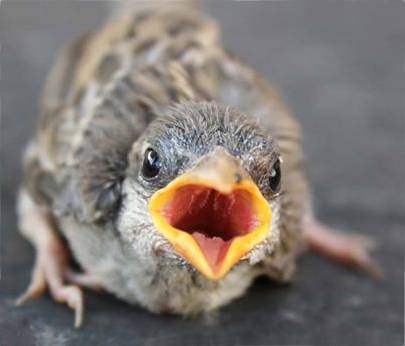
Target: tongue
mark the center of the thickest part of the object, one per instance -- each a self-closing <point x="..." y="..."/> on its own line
<point x="214" y="249"/>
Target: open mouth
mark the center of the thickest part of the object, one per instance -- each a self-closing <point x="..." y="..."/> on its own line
<point x="212" y="218"/>
<point x="211" y="229"/>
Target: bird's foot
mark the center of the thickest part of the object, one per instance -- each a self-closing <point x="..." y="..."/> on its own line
<point x="349" y="249"/>
<point x="51" y="269"/>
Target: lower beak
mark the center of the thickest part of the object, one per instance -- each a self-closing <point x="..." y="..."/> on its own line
<point x="212" y="215"/>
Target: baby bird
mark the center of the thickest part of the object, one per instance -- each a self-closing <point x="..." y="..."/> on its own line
<point x="168" y="169"/>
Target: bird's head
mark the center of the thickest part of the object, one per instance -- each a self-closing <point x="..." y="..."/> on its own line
<point x="202" y="183"/>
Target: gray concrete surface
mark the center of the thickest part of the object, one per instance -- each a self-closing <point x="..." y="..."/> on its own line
<point x="340" y="65"/>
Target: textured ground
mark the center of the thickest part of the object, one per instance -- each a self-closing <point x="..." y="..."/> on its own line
<point x="340" y="66"/>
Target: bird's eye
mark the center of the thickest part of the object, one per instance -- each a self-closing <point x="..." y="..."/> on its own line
<point x="275" y="177"/>
<point x="151" y="164"/>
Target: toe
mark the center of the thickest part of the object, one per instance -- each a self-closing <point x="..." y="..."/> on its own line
<point x="361" y="259"/>
<point x="36" y="287"/>
<point x="82" y="279"/>
<point x="73" y="297"/>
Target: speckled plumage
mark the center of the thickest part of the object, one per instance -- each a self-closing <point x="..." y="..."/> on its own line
<point x="161" y="76"/>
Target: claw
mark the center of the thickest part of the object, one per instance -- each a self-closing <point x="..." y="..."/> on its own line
<point x="30" y="293"/>
<point x="52" y="261"/>
<point x="73" y="297"/>
<point x="36" y="288"/>
<point x="48" y="273"/>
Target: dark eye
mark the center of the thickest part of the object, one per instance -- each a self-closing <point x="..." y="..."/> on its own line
<point x="151" y="164"/>
<point x="275" y="177"/>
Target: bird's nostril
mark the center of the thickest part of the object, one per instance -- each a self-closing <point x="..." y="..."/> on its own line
<point x="238" y="177"/>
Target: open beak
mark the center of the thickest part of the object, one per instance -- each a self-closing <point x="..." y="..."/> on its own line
<point x="212" y="215"/>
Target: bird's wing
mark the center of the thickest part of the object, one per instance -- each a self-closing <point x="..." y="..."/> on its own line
<point x="39" y="161"/>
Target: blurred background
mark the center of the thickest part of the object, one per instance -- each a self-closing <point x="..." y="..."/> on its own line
<point x="340" y="66"/>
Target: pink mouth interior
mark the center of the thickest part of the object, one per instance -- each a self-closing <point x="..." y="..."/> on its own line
<point x="212" y="218"/>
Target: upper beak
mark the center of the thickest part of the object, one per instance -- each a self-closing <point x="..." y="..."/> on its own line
<point x="213" y="214"/>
